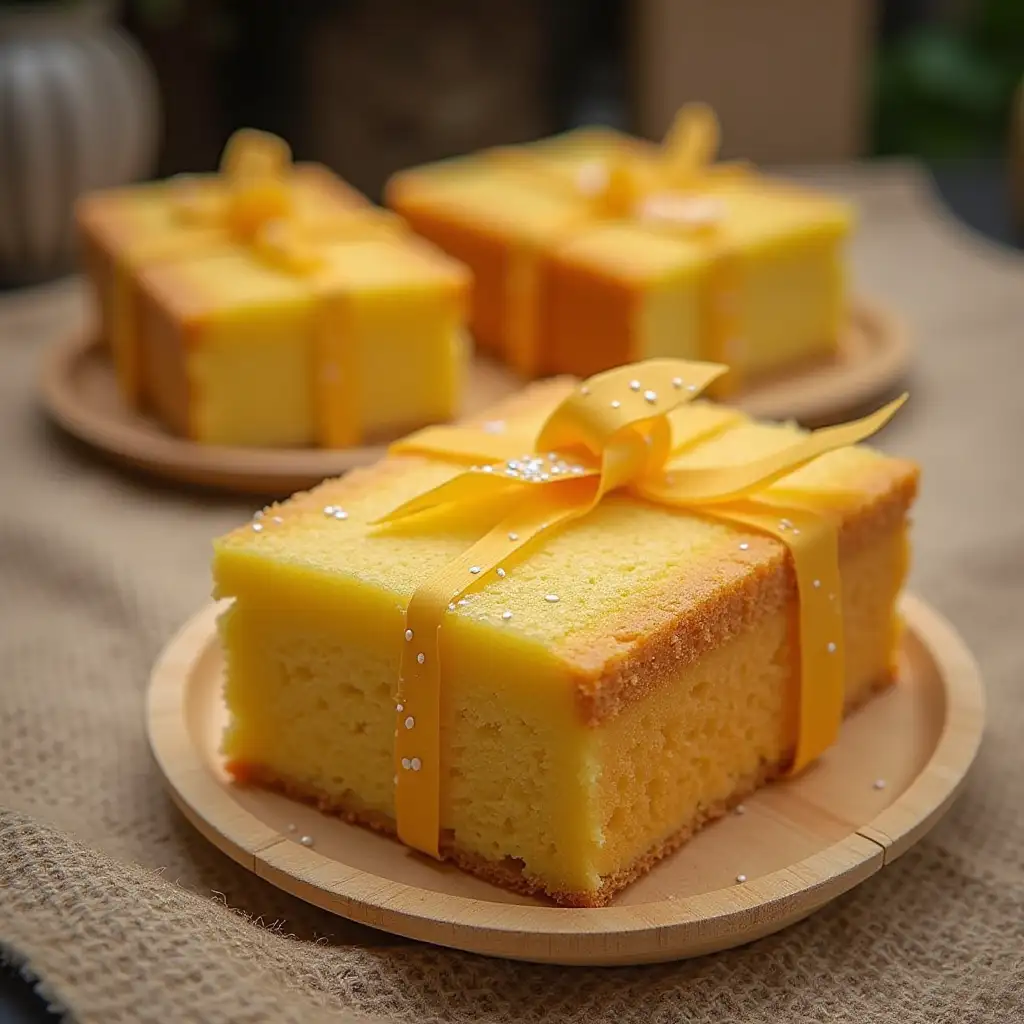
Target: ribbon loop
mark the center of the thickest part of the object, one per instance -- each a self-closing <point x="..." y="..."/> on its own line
<point x="254" y="155"/>
<point x="691" y="143"/>
<point x="627" y="396"/>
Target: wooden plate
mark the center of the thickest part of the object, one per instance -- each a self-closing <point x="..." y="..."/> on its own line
<point x="800" y="844"/>
<point x="80" y="394"/>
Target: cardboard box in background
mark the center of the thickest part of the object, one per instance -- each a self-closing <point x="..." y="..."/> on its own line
<point x="394" y="83"/>
<point x="789" y="79"/>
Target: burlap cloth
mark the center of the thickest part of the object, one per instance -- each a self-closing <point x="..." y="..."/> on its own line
<point x="126" y="914"/>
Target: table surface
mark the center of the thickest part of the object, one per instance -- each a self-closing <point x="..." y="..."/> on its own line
<point x="975" y="192"/>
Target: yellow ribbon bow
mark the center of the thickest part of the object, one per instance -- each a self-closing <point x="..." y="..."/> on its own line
<point x="669" y="191"/>
<point x="251" y="189"/>
<point x="255" y="204"/>
<point x="627" y="428"/>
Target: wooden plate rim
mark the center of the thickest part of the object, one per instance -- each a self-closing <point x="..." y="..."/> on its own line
<point x="809" y="396"/>
<point x="662" y="930"/>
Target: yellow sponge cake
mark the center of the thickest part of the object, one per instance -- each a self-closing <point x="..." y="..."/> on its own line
<point x="124" y="230"/>
<point x="272" y="305"/>
<point x="593" y="249"/>
<point x="368" y="345"/>
<point x="629" y="676"/>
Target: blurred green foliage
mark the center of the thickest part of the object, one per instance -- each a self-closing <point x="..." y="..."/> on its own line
<point x="945" y="90"/>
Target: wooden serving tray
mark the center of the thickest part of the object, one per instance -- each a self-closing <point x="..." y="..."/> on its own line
<point x="897" y="767"/>
<point x="80" y="393"/>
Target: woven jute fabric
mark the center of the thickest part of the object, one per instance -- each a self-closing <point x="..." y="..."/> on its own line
<point x="124" y="913"/>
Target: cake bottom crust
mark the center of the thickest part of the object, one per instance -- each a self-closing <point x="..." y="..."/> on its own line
<point x="510" y="873"/>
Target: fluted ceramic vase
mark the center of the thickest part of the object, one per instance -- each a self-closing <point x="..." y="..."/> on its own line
<point x="78" y="111"/>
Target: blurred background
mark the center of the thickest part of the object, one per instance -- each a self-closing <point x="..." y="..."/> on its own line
<point x="369" y="86"/>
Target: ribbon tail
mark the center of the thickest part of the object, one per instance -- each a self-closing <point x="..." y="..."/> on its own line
<point x="683" y="486"/>
<point x="466" y="490"/>
<point x="418" y="755"/>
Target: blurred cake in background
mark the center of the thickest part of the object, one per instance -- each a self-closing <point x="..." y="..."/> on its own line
<point x="272" y="305"/>
<point x="592" y="249"/>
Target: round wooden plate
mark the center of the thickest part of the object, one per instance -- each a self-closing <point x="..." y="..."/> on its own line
<point x="80" y="393"/>
<point x="799" y="844"/>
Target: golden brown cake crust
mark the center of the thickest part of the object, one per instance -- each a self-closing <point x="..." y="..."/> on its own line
<point x="508" y="873"/>
<point x="714" y="617"/>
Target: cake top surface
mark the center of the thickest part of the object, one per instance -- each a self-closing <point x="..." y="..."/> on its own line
<point x="223" y="280"/>
<point x="142" y="215"/>
<point x="539" y="191"/>
<point x="587" y="592"/>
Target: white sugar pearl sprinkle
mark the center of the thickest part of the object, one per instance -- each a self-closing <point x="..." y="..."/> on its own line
<point x="744" y="546"/>
<point x="306" y="840"/>
<point x="879" y="783"/>
<point x="634" y="385"/>
<point x="292" y="827"/>
<point x="513" y="536"/>
<point x="740" y="879"/>
<point x="406" y="763"/>
<point x="817" y="584"/>
<point x="257" y="527"/>
<point x="831" y="647"/>
<point x="421" y="657"/>
<point x="677" y="382"/>
<point x="451" y="606"/>
<point x="552" y="598"/>
<point x="340" y="513"/>
<point x="416" y="764"/>
<point x="616" y="404"/>
<point x="474" y="569"/>
<point x="650" y="397"/>
<point x="584" y="391"/>
<point x="506" y="616"/>
<point x="501" y="573"/>
<point x="399" y="707"/>
<point x="410" y="722"/>
<point x="408" y="634"/>
<point x="741" y="809"/>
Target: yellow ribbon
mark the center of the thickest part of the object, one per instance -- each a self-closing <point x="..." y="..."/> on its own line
<point x="255" y="206"/>
<point x="254" y="186"/>
<point x="629" y="428"/>
<point x="667" y="193"/>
